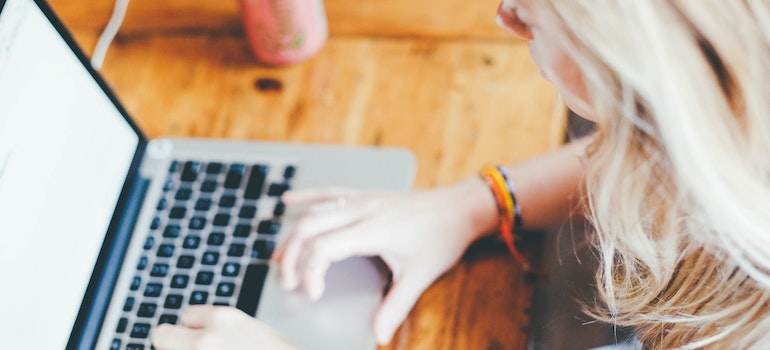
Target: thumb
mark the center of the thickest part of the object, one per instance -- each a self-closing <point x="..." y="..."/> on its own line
<point x="398" y="302"/>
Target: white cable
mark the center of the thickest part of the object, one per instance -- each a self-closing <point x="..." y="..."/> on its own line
<point x="100" y="51"/>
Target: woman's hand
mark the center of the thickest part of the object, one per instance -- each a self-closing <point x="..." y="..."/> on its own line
<point x="217" y="327"/>
<point x="419" y="235"/>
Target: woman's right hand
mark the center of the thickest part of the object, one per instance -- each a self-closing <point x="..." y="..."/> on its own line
<point x="419" y="235"/>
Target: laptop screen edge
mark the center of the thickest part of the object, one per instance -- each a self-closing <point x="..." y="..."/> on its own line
<point x="101" y="284"/>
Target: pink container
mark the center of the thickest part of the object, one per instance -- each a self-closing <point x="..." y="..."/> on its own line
<point x="282" y="32"/>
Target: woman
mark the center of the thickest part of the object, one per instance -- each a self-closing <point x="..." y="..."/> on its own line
<point x="676" y="180"/>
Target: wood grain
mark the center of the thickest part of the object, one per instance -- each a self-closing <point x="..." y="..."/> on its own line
<point x="435" y="77"/>
<point x="446" y="19"/>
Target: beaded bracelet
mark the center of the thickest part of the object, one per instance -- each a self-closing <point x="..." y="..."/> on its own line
<point x="508" y="209"/>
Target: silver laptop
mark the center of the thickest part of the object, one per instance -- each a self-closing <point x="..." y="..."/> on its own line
<point x="106" y="234"/>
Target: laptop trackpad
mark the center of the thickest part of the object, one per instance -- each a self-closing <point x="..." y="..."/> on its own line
<point x="341" y="319"/>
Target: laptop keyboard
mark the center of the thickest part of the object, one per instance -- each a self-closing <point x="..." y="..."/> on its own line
<point x="209" y="243"/>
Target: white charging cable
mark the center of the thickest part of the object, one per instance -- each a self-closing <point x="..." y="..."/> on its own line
<point x="100" y="51"/>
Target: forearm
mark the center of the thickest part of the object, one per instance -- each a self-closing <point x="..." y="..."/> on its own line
<point x="547" y="189"/>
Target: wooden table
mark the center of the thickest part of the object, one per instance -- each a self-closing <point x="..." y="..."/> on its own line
<point x="437" y="77"/>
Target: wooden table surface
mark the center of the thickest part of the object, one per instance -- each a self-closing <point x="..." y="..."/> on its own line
<point x="434" y="76"/>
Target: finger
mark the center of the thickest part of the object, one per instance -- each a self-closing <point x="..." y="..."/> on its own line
<point x="170" y="337"/>
<point x="198" y="316"/>
<point x="397" y="304"/>
<point x="327" y="249"/>
<point x="290" y="251"/>
<point x="316" y="195"/>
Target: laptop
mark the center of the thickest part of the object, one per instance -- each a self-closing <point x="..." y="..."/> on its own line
<point x="106" y="234"/>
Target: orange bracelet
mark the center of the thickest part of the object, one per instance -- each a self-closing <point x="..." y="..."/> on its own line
<point x="506" y="210"/>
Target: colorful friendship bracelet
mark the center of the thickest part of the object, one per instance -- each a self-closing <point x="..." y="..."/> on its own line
<point x="507" y="209"/>
<point x="518" y="223"/>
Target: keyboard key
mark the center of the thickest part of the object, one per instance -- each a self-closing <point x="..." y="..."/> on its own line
<point x="203" y="204"/>
<point x="247" y="212"/>
<point x="256" y="182"/>
<point x="214" y="168"/>
<point x="166" y="318"/>
<point x="190" y="171"/>
<point x="185" y="262"/>
<point x="263" y="249"/>
<point x="149" y="242"/>
<point x="225" y="289"/>
<point x="142" y="264"/>
<point x="179" y="281"/>
<point x="122" y="325"/>
<point x="277" y="189"/>
<point x="140" y="330"/>
<point x="155" y="223"/>
<point x="191" y="242"/>
<point x="159" y="270"/>
<point x="216" y="239"/>
<point x="242" y="230"/>
<point x="197" y="223"/>
<point x="135" y="283"/>
<point x="129" y="304"/>
<point x="269" y="227"/>
<point x="115" y="345"/>
<point x="173" y="301"/>
<point x="208" y="186"/>
<point x="231" y="269"/>
<point x="234" y="178"/>
<point x="134" y="346"/>
<point x="221" y="219"/>
<point x="161" y="204"/>
<point x="227" y="201"/>
<point x="199" y="297"/>
<point x="210" y="258"/>
<point x="177" y="212"/>
<point x="279" y="209"/>
<point x="183" y="194"/>
<point x="165" y="251"/>
<point x="251" y="289"/>
<point x="221" y="303"/>
<point x="147" y="310"/>
<point x="168" y="185"/>
<point x="153" y="289"/>
<point x="204" y="278"/>
<point x="289" y="172"/>
<point x="173" y="166"/>
<point x="172" y="231"/>
<point x="236" y="250"/>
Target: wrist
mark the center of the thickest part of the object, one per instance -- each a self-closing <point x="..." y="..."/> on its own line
<point x="480" y="205"/>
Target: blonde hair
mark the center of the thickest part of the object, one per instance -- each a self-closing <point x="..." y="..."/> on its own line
<point x="678" y="179"/>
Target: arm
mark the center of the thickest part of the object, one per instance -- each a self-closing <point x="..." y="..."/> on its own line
<point x="418" y="234"/>
<point x="547" y="189"/>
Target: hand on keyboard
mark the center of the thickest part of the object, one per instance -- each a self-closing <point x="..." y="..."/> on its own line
<point x="218" y="327"/>
<point x="419" y="235"/>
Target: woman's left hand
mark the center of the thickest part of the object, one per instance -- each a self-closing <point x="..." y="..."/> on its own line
<point x="217" y="327"/>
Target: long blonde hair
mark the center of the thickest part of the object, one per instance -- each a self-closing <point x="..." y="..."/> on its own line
<point x="678" y="180"/>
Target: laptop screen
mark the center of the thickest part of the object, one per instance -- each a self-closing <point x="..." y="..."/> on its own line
<point x="65" y="150"/>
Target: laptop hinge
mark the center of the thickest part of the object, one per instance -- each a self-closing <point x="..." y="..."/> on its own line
<point x="92" y="311"/>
